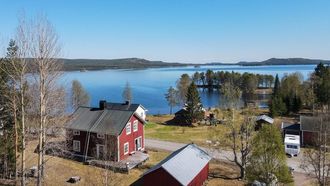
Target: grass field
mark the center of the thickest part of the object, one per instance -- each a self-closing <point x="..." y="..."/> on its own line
<point x="156" y="129"/>
<point x="59" y="170"/>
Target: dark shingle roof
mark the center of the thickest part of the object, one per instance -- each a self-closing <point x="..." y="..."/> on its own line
<point x="122" y="106"/>
<point x="100" y="121"/>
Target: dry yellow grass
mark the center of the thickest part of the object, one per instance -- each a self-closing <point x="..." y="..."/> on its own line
<point x="59" y="170"/>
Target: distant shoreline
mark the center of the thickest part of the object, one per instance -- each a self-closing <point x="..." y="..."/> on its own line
<point x="138" y="64"/>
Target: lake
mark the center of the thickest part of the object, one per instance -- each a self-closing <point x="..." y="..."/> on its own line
<point x="150" y="85"/>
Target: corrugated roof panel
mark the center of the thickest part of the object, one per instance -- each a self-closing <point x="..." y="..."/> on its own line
<point x="184" y="164"/>
<point x="265" y="118"/>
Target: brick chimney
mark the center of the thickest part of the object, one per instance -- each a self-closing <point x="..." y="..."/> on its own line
<point x="103" y="104"/>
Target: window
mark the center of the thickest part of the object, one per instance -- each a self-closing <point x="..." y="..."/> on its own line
<point x="128" y="128"/>
<point x="76" y="145"/>
<point x="291" y="147"/>
<point x="135" y="125"/>
<point x="101" y="136"/>
<point x="76" y="132"/>
<point x="126" y="148"/>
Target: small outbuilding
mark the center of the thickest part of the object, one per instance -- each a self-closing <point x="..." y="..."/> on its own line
<point x="186" y="166"/>
<point x="263" y="119"/>
<point x="311" y="126"/>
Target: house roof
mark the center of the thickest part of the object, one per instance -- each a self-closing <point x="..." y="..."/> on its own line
<point x="290" y="126"/>
<point x="184" y="164"/>
<point x="100" y="121"/>
<point x="313" y="123"/>
<point x="123" y="106"/>
<point x="265" y="118"/>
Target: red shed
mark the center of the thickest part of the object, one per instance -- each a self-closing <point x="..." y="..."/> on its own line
<point x="186" y="166"/>
<point x="111" y="132"/>
<point x="310" y="127"/>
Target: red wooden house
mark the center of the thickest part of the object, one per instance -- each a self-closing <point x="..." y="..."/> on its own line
<point x="107" y="133"/>
<point x="186" y="166"/>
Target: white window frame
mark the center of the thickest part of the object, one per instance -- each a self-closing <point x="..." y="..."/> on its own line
<point x="128" y="128"/>
<point x="127" y="148"/>
<point x="101" y="136"/>
<point x="76" y="132"/>
<point x="73" y="145"/>
<point x="135" y="126"/>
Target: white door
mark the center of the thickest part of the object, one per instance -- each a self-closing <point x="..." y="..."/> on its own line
<point x="99" y="151"/>
<point x="137" y="144"/>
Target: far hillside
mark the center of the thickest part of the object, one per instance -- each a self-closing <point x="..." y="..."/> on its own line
<point x="286" y="61"/>
<point x="126" y="63"/>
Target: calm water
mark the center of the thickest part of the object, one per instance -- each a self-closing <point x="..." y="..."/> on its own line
<point x="150" y="85"/>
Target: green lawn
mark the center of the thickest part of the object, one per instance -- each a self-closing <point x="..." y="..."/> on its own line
<point x="182" y="134"/>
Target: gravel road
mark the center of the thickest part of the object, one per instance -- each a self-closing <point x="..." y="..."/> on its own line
<point x="216" y="154"/>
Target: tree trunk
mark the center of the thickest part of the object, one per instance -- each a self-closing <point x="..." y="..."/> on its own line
<point x="23" y="130"/>
<point x="16" y="139"/>
<point x="41" y="126"/>
<point x="43" y="151"/>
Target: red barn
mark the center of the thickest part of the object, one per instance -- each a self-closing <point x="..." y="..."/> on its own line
<point x="310" y="128"/>
<point x="111" y="132"/>
<point x="186" y="166"/>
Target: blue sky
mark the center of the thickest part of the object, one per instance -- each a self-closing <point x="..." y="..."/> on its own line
<point x="182" y="30"/>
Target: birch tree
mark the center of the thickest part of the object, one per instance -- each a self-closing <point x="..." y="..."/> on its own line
<point x="16" y="69"/>
<point x="45" y="50"/>
<point x="79" y="96"/>
<point x="240" y="141"/>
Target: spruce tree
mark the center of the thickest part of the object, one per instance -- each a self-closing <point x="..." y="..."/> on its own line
<point x="194" y="107"/>
<point x="276" y="90"/>
<point x="277" y="107"/>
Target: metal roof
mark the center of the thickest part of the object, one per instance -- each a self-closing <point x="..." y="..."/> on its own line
<point x="309" y="123"/>
<point x="291" y="126"/>
<point x="112" y="122"/>
<point x="184" y="164"/>
<point x="100" y="121"/>
<point x="84" y="118"/>
<point x="265" y="118"/>
<point x="314" y="123"/>
<point x="122" y="106"/>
